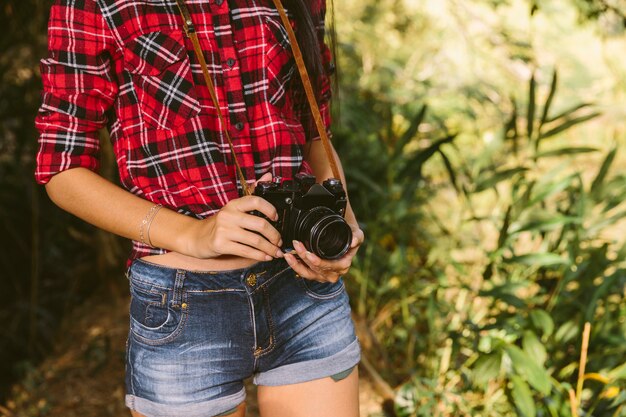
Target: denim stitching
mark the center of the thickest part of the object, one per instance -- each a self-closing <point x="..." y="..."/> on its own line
<point x="173" y="335"/>
<point x="151" y="283"/>
<point x="270" y="321"/>
<point x="312" y="294"/>
<point x="269" y="280"/>
<point x="253" y="324"/>
<point x="163" y="297"/>
<point x="178" y="288"/>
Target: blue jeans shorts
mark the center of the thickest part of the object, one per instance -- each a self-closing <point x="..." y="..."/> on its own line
<point x="195" y="336"/>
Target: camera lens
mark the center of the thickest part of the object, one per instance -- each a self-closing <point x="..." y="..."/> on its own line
<point x="325" y="233"/>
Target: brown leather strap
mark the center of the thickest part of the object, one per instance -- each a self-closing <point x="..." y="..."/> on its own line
<point x="190" y="31"/>
<point x="308" y="88"/>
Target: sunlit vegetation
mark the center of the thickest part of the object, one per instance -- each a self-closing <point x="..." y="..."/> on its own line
<point x="482" y="140"/>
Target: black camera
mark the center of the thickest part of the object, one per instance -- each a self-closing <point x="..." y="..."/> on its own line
<point x="310" y="213"/>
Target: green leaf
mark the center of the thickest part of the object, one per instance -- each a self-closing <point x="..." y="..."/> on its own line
<point x="566" y="151"/>
<point x="411" y="131"/>
<point x="568" y="112"/>
<point x="522" y="397"/>
<point x="598" y="182"/>
<point x="366" y="180"/>
<point x="536" y="376"/>
<point x="510" y="128"/>
<point x="487" y="368"/>
<point x="534" y="348"/>
<point x="532" y="103"/>
<point x="598" y="293"/>
<point x="569" y="123"/>
<point x="548" y="103"/>
<point x="542" y="321"/>
<point x="544" y="191"/>
<point x="568" y="331"/>
<point x="538" y="259"/>
<point x="449" y="168"/>
<point x="412" y="170"/>
<point x="618" y="373"/>
<point x="504" y="230"/>
<point x="498" y="176"/>
<point x="544" y="222"/>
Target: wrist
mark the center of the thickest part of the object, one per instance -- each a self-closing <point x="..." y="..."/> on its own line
<point x="187" y="238"/>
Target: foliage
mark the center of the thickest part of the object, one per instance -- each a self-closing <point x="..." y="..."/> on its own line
<point x="491" y="201"/>
<point x="482" y="266"/>
<point x="36" y="237"/>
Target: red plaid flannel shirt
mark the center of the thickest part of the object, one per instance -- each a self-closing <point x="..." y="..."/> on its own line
<point x="127" y="66"/>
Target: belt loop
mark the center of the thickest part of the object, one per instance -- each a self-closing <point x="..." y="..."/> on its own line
<point x="177" y="298"/>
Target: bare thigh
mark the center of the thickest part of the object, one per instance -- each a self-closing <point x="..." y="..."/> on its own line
<point x="241" y="412"/>
<point x="318" y="398"/>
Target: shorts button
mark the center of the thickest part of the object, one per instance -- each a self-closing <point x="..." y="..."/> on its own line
<point x="230" y="62"/>
<point x="239" y="125"/>
<point x="219" y="2"/>
<point x="251" y="279"/>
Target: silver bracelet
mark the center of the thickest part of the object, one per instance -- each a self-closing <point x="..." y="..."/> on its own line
<point x="147" y="222"/>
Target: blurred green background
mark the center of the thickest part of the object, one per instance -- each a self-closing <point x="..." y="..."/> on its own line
<point x="482" y="141"/>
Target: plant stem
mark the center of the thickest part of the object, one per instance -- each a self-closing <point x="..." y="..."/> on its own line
<point x="583" y="361"/>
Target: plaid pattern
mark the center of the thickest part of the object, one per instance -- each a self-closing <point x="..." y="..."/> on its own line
<point x="127" y="66"/>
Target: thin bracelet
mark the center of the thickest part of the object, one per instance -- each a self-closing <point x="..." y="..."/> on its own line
<point x="146" y="222"/>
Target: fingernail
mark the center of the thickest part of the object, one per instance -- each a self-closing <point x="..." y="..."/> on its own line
<point x="268" y="258"/>
<point x="280" y="243"/>
<point x="296" y="244"/>
<point x="279" y="253"/>
<point x="309" y="255"/>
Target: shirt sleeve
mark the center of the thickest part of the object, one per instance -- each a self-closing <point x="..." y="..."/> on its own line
<point x="78" y="89"/>
<point x="301" y="104"/>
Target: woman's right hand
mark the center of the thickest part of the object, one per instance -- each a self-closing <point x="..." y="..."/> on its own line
<point x="234" y="231"/>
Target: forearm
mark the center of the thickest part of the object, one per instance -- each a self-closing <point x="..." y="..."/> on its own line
<point x="107" y="206"/>
<point x="316" y="157"/>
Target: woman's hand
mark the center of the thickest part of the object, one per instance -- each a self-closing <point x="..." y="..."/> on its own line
<point x="313" y="267"/>
<point x="234" y="231"/>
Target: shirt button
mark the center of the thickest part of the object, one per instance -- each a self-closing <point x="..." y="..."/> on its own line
<point x="219" y="2"/>
<point x="239" y="125"/>
<point x="230" y="62"/>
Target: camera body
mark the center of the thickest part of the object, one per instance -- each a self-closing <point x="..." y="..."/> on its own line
<point x="310" y="213"/>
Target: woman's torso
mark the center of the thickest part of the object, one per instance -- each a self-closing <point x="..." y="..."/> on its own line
<point x="167" y="141"/>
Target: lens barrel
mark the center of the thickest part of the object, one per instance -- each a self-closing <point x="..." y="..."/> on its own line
<point x="324" y="232"/>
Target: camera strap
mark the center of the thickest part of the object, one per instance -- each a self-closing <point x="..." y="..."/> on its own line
<point x="308" y="88"/>
<point x="306" y="82"/>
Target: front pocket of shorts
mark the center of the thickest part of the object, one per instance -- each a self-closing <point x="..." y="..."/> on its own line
<point x="322" y="290"/>
<point x="152" y="319"/>
<point x="161" y="73"/>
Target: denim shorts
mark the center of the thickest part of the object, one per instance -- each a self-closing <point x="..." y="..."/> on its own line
<point x="195" y="336"/>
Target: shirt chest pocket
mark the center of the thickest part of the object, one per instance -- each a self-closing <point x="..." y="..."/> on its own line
<point x="162" y="79"/>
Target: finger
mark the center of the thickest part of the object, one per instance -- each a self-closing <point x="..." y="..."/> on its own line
<point x="252" y="202"/>
<point x="339" y="266"/>
<point x="357" y="238"/>
<point x="300" y="268"/>
<point x="265" y="177"/>
<point x="238" y="249"/>
<point x="258" y="242"/>
<point x="318" y="264"/>
<point x="262" y="226"/>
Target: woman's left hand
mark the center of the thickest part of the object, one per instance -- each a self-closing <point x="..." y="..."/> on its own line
<point x="313" y="267"/>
